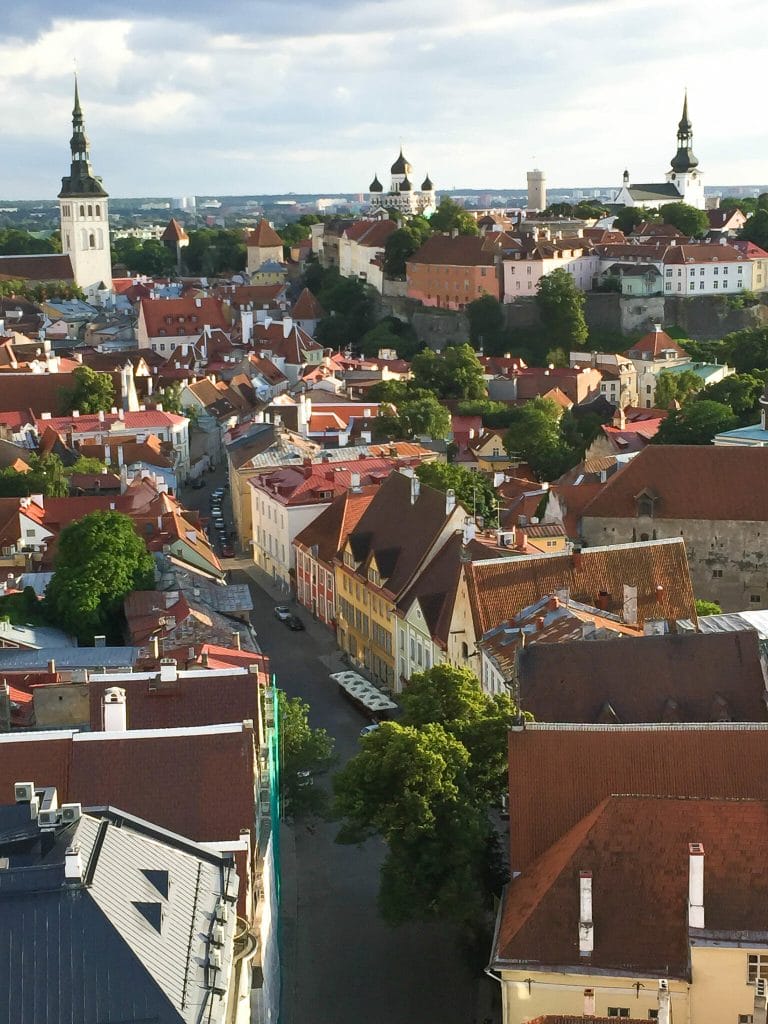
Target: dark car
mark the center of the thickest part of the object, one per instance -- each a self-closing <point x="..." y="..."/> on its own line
<point x="227" y="551"/>
<point x="294" y="622"/>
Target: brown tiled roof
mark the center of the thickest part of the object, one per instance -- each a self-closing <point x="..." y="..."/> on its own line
<point x="257" y="294"/>
<point x="500" y="588"/>
<point x="637" y="849"/>
<point x="307" y="307"/>
<point x="577" y="766"/>
<point x="694" y="677"/>
<point x="655" y="343"/>
<point x="171" y="778"/>
<point x="462" y="251"/>
<point x="690" y="482"/>
<point x="263" y="235"/>
<point x="41" y="392"/>
<point x="195" y="317"/>
<point x="174" y="232"/>
<point x="206" y="698"/>
<point x="37" y="268"/>
<point x="435" y="589"/>
<point x="371" y="234"/>
<point x="396" y="532"/>
<point x="703" y="254"/>
<point x="329" y="530"/>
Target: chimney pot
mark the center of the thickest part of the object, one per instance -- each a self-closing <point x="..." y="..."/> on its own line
<point x="114" y="710"/>
<point x="695" y="885"/>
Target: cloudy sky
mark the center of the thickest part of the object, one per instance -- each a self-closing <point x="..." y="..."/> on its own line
<point x="261" y="96"/>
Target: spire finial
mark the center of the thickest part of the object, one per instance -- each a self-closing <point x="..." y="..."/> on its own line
<point x="76" y="111"/>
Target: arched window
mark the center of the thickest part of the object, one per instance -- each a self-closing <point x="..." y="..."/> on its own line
<point x="465" y="650"/>
<point x="90" y="210"/>
<point x="82" y="210"/>
<point x="91" y="241"/>
<point x="98" y="210"/>
<point x="67" y="241"/>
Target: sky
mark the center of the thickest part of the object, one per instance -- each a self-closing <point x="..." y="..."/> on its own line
<point x="255" y="96"/>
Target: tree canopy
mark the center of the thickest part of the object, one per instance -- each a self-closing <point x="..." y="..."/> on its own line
<point x="675" y="387"/>
<point x="143" y="256"/>
<point x="696" y="422"/>
<point x="303" y="749"/>
<point x="100" y="559"/>
<point x="692" y="222"/>
<point x="16" y="242"/>
<point x="45" y="476"/>
<point x="486" y="323"/>
<point x="561" y="310"/>
<point x="416" y="413"/>
<point x="473" y="490"/>
<point x="93" y="391"/>
<point x="455" y="373"/>
<point x="214" y="251"/>
<point x="535" y="436"/>
<point x="756" y="228"/>
<point x="399" y="247"/>
<point x="351" y="305"/>
<point x="629" y="217"/>
<point x="450" y="216"/>
<point x="740" y="392"/>
<point x="425" y="787"/>
<point x="391" y="333"/>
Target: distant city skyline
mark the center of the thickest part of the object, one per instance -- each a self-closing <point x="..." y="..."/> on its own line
<point x="316" y="98"/>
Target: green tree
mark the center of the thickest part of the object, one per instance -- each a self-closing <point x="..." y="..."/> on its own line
<point x="100" y="559"/>
<point x="707" y="608"/>
<point x="391" y="333"/>
<point x="170" y="399"/>
<point x="456" y="373"/>
<point x="144" y="256"/>
<point x="45" y="476"/>
<point x="352" y="305"/>
<point x="425" y="786"/>
<point x="93" y="391"/>
<point x="302" y="749"/>
<point x="417" y="414"/>
<point x="559" y="210"/>
<point x="561" y="310"/>
<point x="399" y="247"/>
<point x="534" y="435"/>
<point x="746" y="350"/>
<point x="473" y="490"/>
<point x="696" y="422"/>
<point x="85" y="464"/>
<point x="213" y="251"/>
<point x="486" y="322"/>
<point x="675" y="387"/>
<point x="629" y="217"/>
<point x="450" y="216"/>
<point x="756" y="228"/>
<point x="692" y="222"/>
<point x="741" y="392"/>
<point x="589" y="211"/>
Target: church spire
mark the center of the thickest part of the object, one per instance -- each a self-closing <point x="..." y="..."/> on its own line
<point x="684" y="159"/>
<point x="81" y="180"/>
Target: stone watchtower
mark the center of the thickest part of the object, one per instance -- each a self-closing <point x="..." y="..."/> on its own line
<point x="84" y="214"/>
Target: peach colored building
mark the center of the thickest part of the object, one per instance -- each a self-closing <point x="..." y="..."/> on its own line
<point x="450" y="272"/>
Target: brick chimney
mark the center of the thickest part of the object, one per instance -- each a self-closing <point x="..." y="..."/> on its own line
<point x="586" y="927"/>
<point x="114" y="710"/>
<point x="695" y="885"/>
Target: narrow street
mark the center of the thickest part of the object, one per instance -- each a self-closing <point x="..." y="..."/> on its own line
<point x="341" y="964"/>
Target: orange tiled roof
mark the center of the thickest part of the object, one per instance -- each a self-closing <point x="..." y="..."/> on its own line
<point x="165" y="317"/>
<point x="263" y="235"/>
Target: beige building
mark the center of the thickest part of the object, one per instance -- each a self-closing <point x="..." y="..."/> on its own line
<point x="264" y="245"/>
<point x="715" y="498"/>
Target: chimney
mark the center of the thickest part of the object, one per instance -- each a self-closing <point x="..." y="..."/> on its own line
<point x="695" y="885"/>
<point x="236" y="640"/>
<point x="470" y="530"/>
<point x="450" y="500"/>
<point x="100" y="640"/>
<point x="576" y="559"/>
<point x="204" y="659"/>
<point x="5" y="707"/>
<point x="603" y="600"/>
<point x="760" y="1011"/>
<point x="586" y="928"/>
<point x="287" y="326"/>
<point x="155" y="646"/>
<point x="168" y="673"/>
<point x="664" y="1015"/>
<point x="629" y="609"/>
<point x="114" y="710"/>
<point x="521" y="539"/>
<point x="415" y="488"/>
<point x="51" y="666"/>
<point x="73" y="865"/>
<point x="355" y="481"/>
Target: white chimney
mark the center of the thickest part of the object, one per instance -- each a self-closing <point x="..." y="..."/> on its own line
<point x="450" y="501"/>
<point x="664" y="1016"/>
<point x="115" y="719"/>
<point x="629" y="612"/>
<point x="168" y="670"/>
<point x="415" y="488"/>
<point x="73" y="865"/>
<point x="287" y="326"/>
<point x="355" y="481"/>
<point x="586" y="928"/>
<point x="695" y="885"/>
<point x="470" y="531"/>
<point x="760" y="1010"/>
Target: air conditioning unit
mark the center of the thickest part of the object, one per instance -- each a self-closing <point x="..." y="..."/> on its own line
<point x="48" y="819"/>
<point x="71" y="813"/>
<point x="217" y="936"/>
<point x="24" y="792"/>
<point x="222" y="913"/>
<point x="214" y="960"/>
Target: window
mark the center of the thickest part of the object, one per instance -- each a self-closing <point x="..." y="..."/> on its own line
<point x="92" y="240"/>
<point x="702" y="271"/>
<point x="374" y="577"/>
<point x="349" y="560"/>
<point x="668" y="286"/>
<point x="98" y="210"/>
<point x="82" y="210"/>
<point x="618" y="1011"/>
<point x="755" y="599"/>
<point x="653" y="1015"/>
<point x="745" y="1018"/>
<point x="717" y="270"/>
<point x="669" y="273"/>
<point x="717" y="574"/>
<point x="701" y="287"/>
<point x="716" y="283"/>
<point x="757" y="963"/>
<point x="648" y="389"/>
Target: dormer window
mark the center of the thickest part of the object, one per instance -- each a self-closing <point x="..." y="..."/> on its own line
<point x="645" y="503"/>
<point x="374" y="577"/>
<point x="349" y="560"/>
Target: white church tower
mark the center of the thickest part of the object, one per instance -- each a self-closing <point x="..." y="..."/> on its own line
<point x="84" y="215"/>
<point x="685" y="174"/>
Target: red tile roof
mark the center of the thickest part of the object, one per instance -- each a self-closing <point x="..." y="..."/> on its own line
<point x="461" y="251"/>
<point x="702" y="253"/>
<point x="37" y="268"/>
<point x="637" y="850"/>
<point x="41" y="392"/>
<point x="129" y="421"/>
<point x="500" y="588"/>
<point x="329" y="530"/>
<point x="174" y="232"/>
<point x="370" y="234"/>
<point x="163" y="317"/>
<point x="694" y="482"/>
<point x="655" y="344"/>
<point x="263" y="235"/>
<point x="307" y="307"/>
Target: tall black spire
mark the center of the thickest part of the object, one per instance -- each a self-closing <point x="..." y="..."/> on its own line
<point x="81" y="180"/>
<point x="684" y="159"/>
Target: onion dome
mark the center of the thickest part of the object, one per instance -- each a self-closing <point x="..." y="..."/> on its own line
<point x="375" y="185"/>
<point x="406" y="186"/>
<point x="401" y="165"/>
<point x="426" y="185"/>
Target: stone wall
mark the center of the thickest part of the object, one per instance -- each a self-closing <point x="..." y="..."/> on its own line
<point x="708" y="317"/>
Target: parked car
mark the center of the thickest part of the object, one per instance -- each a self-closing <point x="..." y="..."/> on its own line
<point x="294" y="622"/>
<point x="367" y="729"/>
<point x="197" y="484"/>
<point x="283" y="613"/>
<point x="304" y="778"/>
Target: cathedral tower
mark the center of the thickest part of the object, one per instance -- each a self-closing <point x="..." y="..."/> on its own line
<point x="685" y="174"/>
<point x="84" y="215"/>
